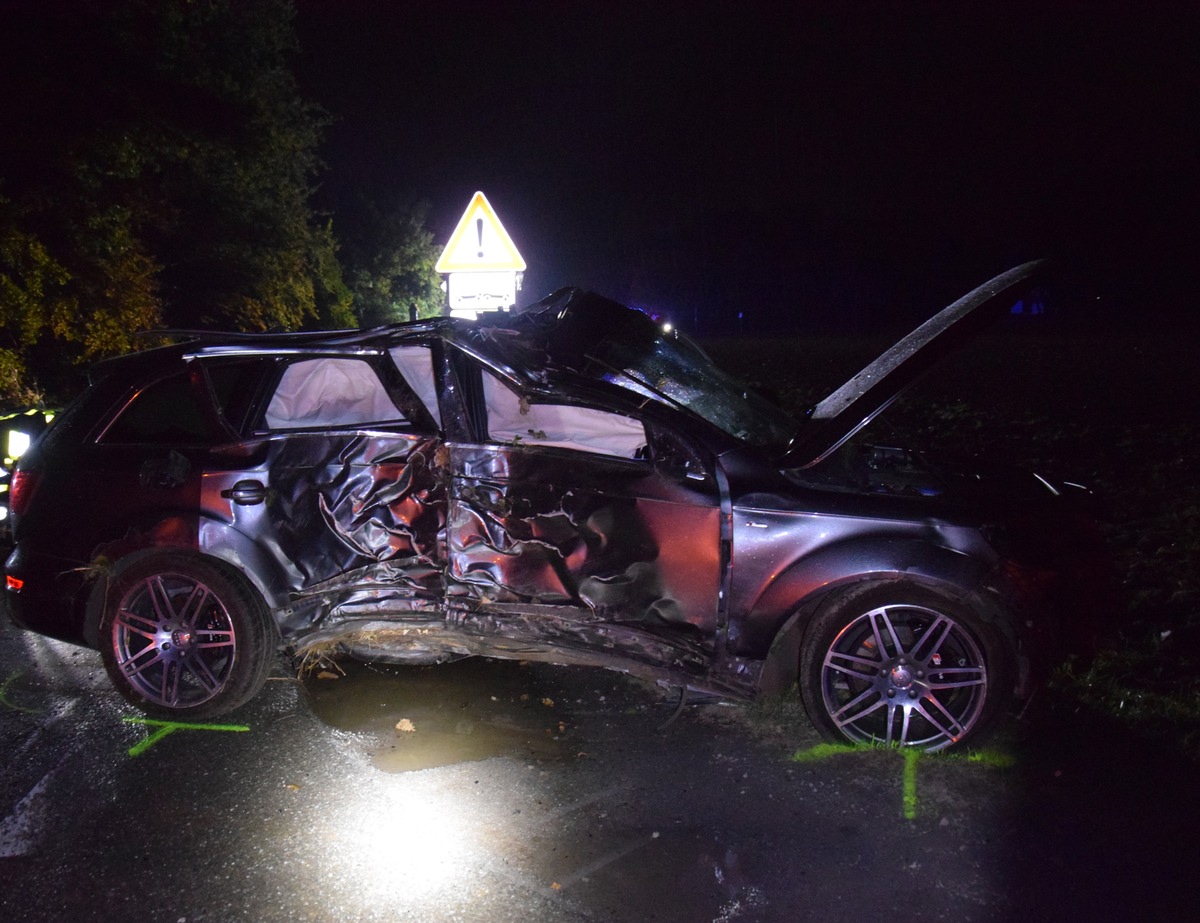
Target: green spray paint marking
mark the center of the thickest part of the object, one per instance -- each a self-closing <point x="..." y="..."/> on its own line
<point x="166" y="727"/>
<point x="4" y="695"/>
<point x="824" y="751"/>
<point x="912" y="757"/>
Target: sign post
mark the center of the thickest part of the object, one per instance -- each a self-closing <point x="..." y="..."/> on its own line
<point x="482" y="266"/>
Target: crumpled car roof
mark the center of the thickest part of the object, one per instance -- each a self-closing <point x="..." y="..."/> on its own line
<point x="574" y="335"/>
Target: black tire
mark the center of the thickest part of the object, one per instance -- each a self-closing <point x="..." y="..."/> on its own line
<point x="902" y="665"/>
<point x="184" y="638"/>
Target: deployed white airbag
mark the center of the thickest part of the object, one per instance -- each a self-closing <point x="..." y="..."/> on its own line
<point x="416" y="365"/>
<point x="560" y="425"/>
<point x="330" y="392"/>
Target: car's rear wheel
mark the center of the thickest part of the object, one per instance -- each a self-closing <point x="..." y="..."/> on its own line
<point x="902" y="666"/>
<point x="182" y="637"/>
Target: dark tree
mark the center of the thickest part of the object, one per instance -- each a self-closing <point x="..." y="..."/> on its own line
<point x="389" y="259"/>
<point x="157" y="164"/>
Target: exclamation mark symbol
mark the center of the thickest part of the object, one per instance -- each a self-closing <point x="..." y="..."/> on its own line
<point x="479" y="234"/>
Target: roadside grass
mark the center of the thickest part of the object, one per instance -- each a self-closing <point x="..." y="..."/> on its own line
<point x="1111" y="410"/>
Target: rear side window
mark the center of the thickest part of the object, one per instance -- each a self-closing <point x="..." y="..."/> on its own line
<point x="167" y="412"/>
<point x="235" y="386"/>
<point x="330" y="392"/>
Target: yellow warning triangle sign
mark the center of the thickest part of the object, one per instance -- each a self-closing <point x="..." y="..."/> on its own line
<point x="480" y="243"/>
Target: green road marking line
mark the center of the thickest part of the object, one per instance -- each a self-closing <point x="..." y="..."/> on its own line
<point x="911" y="758"/>
<point x="167" y="727"/>
<point x="13" y="677"/>
<point x="991" y="758"/>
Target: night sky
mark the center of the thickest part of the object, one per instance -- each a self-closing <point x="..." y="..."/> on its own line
<point x="806" y="165"/>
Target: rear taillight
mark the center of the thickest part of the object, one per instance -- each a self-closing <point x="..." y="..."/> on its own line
<point x="21" y="491"/>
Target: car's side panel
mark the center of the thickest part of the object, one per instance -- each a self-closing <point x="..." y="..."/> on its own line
<point x="129" y="497"/>
<point x="202" y="536"/>
<point x="355" y="518"/>
<point x="606" y="540"/>
<point x="782" y="560"/>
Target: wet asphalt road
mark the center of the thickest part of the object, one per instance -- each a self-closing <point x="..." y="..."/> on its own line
<point x="492" y="791"/>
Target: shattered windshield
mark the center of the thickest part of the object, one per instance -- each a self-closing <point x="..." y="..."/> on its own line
<point x="606" y="341"/>
<point x="677" y="371"/>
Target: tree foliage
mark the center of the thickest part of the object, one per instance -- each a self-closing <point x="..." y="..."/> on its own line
<point x="390" y="258"/>
<point x="158" y="166"/>
<point x="33" y="291"/>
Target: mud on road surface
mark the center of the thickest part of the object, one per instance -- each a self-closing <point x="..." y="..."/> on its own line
<point x="502" y="791"/>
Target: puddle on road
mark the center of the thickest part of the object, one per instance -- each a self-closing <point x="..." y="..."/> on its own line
<point x="424" y="717"/>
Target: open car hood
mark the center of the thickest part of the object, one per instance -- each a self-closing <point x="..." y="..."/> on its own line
<point x="856" y="403"/>
<point x="583" y="335"/>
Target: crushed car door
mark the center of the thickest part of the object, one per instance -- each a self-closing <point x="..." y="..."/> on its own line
<point x="574" y="532"/>
<point x="352" y="504"/>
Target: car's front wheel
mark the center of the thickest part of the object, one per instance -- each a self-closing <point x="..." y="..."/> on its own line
<point x="181" y="637"/>
<point x="902" y="666"/>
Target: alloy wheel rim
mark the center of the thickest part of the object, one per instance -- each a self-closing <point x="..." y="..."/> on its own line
<point x="174" y="641"/>
<point x="903" y="675"/>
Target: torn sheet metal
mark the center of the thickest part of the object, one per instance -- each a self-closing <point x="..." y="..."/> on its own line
<point x="371" y="532"/>
<point x="354" y="511"/>
<point x="613" y="538"/>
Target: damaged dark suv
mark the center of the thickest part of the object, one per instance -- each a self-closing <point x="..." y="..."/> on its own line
<point x="570" y="484"/>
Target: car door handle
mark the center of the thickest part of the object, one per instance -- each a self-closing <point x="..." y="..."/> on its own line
<point x="246" y="493"/>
